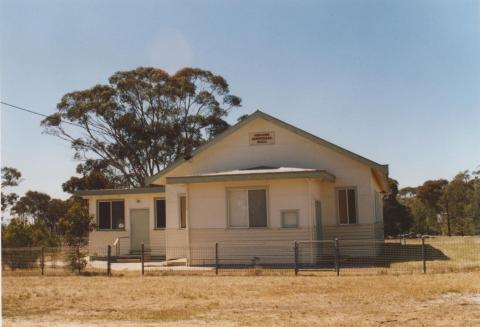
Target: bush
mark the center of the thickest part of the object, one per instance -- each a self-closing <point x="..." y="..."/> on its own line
<point x="21" y="242"/>
<point x="26" y="258"/>
<point x="76" y="259"/>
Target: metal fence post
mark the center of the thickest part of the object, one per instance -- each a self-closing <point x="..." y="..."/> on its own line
<point x="295" y="253"/>
<point x="216" y="258"/>
<point x="109" y="254"/>
<point x="424" y="255"/>
<point x="42" y="261"/>
<point x="337" y="262"/>
<point x="143" y="259"/>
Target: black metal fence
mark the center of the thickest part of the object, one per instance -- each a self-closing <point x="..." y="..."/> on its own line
<point x="51" y="261"/>
<point x="338" y="256"/>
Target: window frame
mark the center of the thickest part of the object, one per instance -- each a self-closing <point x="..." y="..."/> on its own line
<point x="111" y="215"/>
<point x="282" y="212"/>
<point x="155" y="226"/>
<point x="180" y="195"/>
<point x="337" y="205"/>
<point x="247" y="188"/>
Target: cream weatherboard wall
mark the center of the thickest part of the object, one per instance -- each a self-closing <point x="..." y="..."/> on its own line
<point x="99" y="239"/>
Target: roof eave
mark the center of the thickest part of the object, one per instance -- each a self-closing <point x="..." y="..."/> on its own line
<point x="140" y="190"/>
<point x="323" y="175"/>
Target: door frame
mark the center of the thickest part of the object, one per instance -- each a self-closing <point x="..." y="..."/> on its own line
<point x="147" y="244"/>
<point x="319" y="246"/>
<point x="318" y="217"/>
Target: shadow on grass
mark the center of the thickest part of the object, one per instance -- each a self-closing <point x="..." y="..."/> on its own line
<point x="390" y="253"/>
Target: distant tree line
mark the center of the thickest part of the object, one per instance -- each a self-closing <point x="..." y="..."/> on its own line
<point x="38" y="220"/>
<point x="435" y="207"/>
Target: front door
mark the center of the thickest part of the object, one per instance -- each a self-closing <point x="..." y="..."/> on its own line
<point x="139" y="229"/>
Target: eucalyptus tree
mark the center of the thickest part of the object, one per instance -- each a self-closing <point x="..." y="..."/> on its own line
<point x="11" y="177"/>
<point x="143" y="119"/>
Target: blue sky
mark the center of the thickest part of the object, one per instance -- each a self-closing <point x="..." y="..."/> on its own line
<point x="395" y="81"/>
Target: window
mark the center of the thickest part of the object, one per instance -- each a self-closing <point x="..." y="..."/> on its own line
<point x="290" y="218"/>
<point x="183" y="211"/>
<point x="247" y="207"/>
<point x="160" y="213"/>
<point x="347" y="206"/>
<point x="111" y="215"/>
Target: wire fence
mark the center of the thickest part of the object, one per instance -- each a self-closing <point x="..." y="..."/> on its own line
<point x="325" y="257"/>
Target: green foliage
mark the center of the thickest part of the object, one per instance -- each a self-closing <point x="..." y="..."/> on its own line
<point x="22" y="233"/>
<point x="76" y="223"/>
<point x="396" y="216"/>
<point x="141" y="121"/>
<point x="95" y="174"/>
<point x="431" y="192"/>
<point x="76" y="259"/>
<point x="457" y="199"/>
<point x="447" y="207"/>
<point x="424" y="217"/>
<point x="33" y="205"/>
<point x="10" y="177"/>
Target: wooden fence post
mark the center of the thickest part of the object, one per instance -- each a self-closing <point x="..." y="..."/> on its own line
<point x="216" y="258"/>
<point x="42" y="261"/>
<point x="424" y="255"/>
<point x="295" y="253"/>
<point x="109" y="254"/>
<point x="337" y="254"/>
<point x="143" y="259"/>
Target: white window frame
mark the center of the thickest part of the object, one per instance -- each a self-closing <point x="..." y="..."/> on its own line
<point x="337" y="204"/>
<point x="180" y="195"/>
<point x="246" y="189"/>
<point x="283" y="212"/>
<point x="111" y="215"/>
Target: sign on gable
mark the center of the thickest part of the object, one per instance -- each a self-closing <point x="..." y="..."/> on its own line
<point x="262" y="138"/>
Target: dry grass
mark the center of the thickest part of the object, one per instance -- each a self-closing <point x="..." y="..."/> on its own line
<point x="407" y="300"/>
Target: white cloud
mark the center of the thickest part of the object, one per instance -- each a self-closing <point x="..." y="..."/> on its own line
<point x="169" y="50"/>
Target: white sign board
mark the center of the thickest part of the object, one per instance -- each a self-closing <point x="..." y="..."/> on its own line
<point x="262" y="138"/>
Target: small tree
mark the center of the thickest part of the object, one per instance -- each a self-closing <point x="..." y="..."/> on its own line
<point x="75" y="226"/>
<point x="397" y="217"/>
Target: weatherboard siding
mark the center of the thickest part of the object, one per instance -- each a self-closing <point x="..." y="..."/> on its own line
<point x="349" y="232"/>
<point x="210" y="236"/>
<point x="240" y="246"/>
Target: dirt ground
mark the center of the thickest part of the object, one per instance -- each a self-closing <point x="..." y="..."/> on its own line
<point x="384" y="300"/>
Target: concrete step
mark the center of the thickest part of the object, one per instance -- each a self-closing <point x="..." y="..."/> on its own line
<point x="127" y="260"/>
<point x="177" y="262"/>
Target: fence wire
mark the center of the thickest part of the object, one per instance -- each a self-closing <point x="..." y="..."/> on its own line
<point x="325" y="257"/>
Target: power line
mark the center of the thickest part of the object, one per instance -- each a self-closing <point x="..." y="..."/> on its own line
<point x="36" y="113"/>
